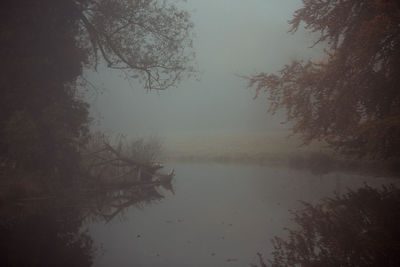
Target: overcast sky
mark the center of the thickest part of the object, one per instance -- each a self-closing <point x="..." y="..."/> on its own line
<point x="232" y="36"/>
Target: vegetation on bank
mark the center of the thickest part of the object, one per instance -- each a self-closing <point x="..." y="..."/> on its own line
<point x="105" y="162"/>
<point x="55" y="174"/>
<point x="45" y="46"/>
<point x="350" y="99"/>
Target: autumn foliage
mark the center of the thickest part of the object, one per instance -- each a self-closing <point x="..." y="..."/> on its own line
<point x="351" y="97"/>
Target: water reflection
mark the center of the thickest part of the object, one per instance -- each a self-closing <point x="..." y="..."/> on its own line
<point x="50" y="231"/>
<point x="359" y="228"/>
<point x="109" y="202"/>
<point x="220" y="215"/>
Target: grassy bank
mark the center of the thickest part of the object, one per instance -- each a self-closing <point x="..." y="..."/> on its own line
<point x="267" y="148"/>
<point x="244" y="148"/>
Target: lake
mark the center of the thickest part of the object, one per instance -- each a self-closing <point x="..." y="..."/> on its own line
<point x="216" y="215"/>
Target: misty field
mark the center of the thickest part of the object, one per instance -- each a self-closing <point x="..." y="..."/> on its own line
<point x="245" y="148"/>
<point x="267" y="148"/>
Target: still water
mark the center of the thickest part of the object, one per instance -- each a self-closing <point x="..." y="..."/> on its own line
<point x="216" y="215"/>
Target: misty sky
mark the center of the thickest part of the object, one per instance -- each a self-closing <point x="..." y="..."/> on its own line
<point x="232" y="37"/>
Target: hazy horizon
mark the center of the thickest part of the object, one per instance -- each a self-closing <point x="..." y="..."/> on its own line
<point x="232" y="37"/>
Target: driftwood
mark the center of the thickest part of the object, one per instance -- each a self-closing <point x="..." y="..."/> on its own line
<point x="113" y="164"/>
<point x="117" y="179"/>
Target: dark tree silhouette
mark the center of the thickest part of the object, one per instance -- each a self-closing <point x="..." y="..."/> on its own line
<point x="351" y="98"/>
<point x="44" y="46"/>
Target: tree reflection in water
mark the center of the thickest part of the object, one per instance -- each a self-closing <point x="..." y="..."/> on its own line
<point x="47" y="231"/>
<point x="360" y="228"/>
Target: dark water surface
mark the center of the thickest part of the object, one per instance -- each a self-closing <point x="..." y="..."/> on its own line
<point x="218" y="215"/>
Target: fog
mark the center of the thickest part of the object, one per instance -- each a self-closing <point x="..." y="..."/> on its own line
<point x="232" y="37"/>
<point x="97" y="170"/>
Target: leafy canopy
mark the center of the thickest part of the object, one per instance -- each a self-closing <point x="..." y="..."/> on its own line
<point x="351" y="98"/>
